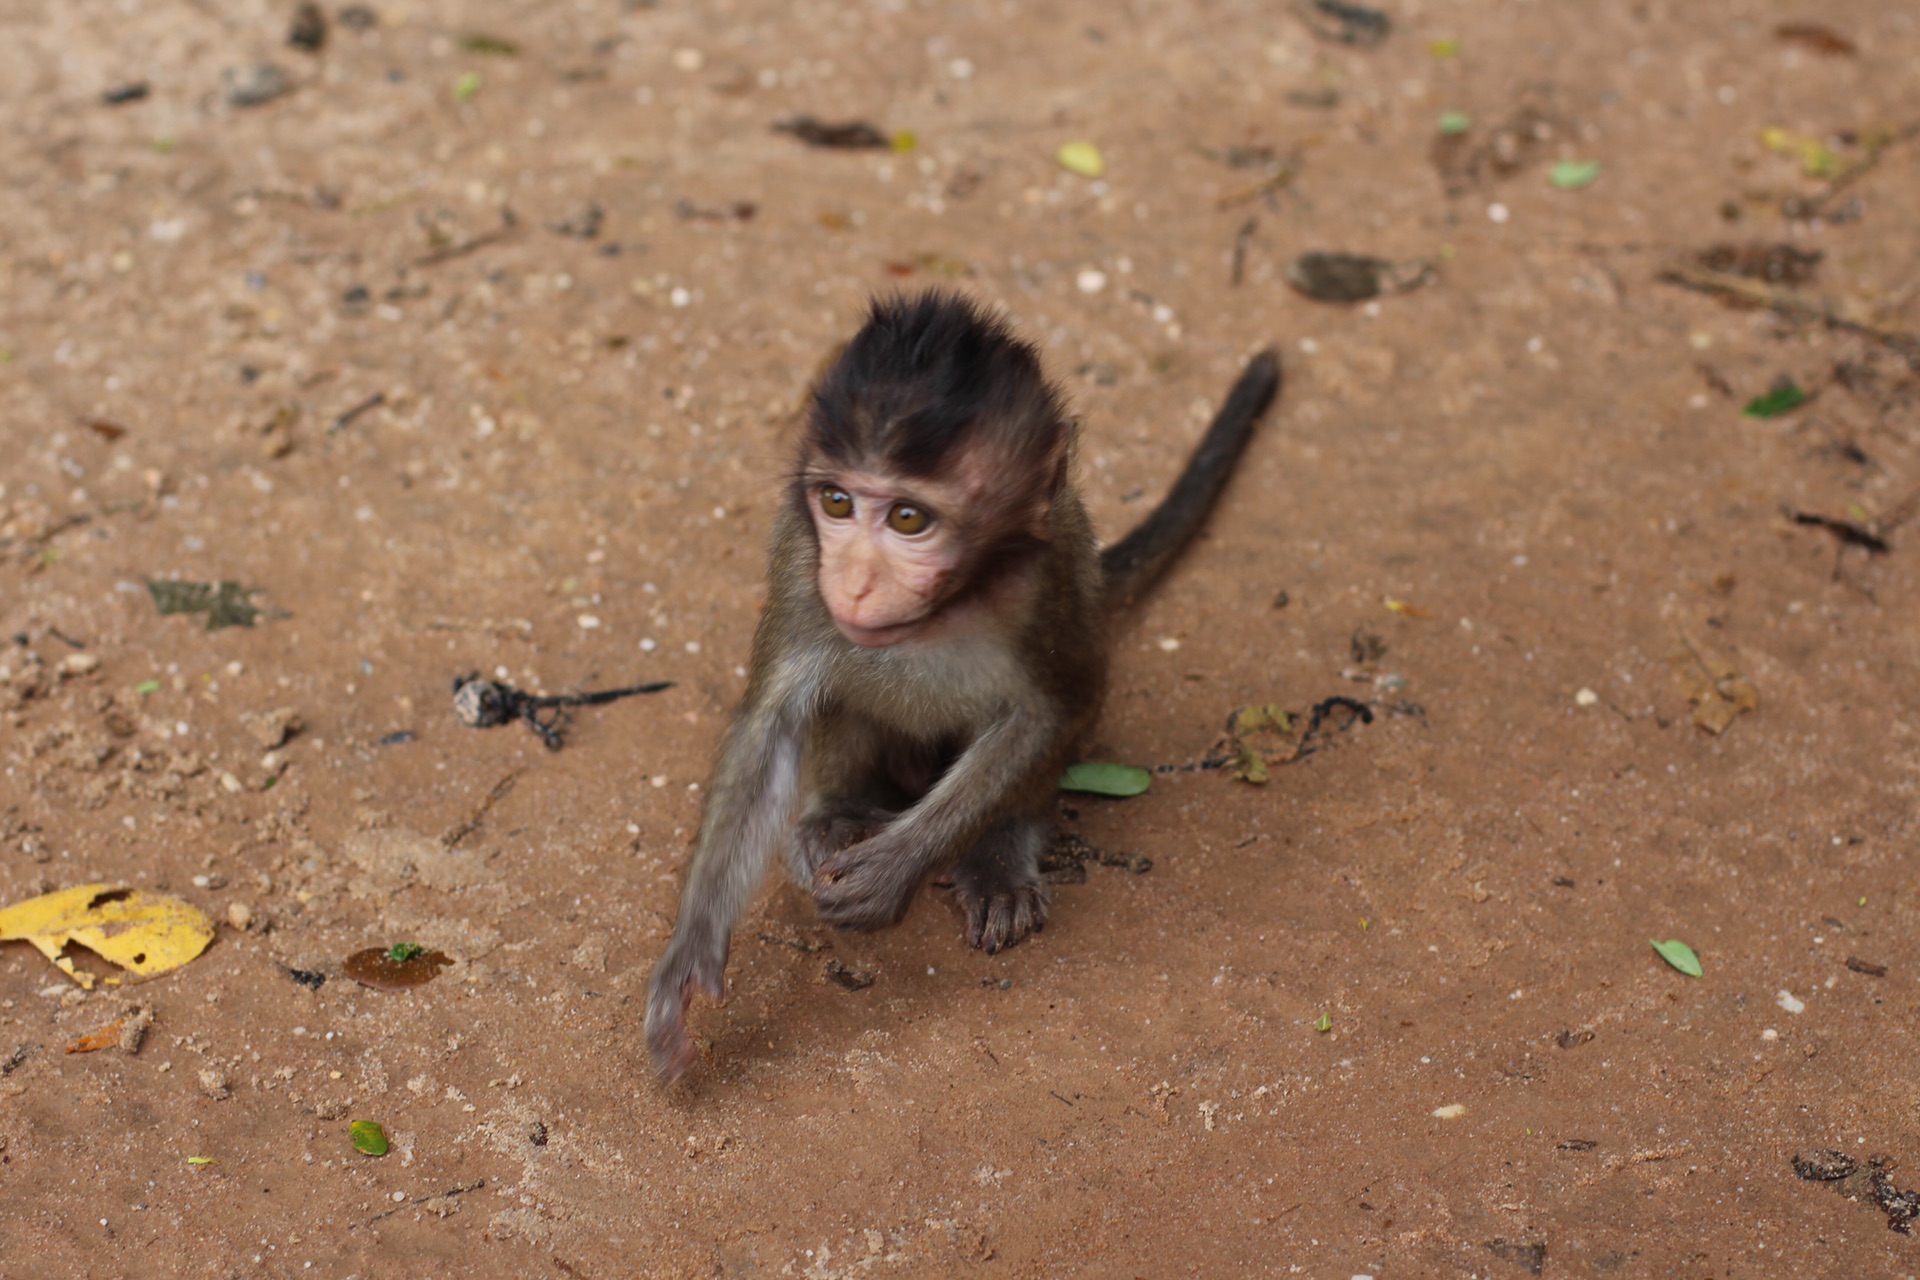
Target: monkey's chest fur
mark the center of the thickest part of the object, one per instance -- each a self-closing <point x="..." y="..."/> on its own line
<point x="894" y="720"/>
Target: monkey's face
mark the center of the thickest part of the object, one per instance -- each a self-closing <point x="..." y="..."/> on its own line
<point x="889" y="552"/>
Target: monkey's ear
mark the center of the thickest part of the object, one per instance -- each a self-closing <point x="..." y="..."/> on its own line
<point x="1051" y="480"/>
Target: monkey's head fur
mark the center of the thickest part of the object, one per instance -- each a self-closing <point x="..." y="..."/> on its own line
<point x="933" y="444"/>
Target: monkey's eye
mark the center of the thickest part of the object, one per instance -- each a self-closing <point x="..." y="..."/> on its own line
<point x="908" y="519"/>
<point x="837" y="503"/>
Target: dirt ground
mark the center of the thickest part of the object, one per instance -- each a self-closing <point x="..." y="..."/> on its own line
<point x="1392" y="1013"/>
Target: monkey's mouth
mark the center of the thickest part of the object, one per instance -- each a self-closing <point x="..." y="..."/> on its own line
<point x="877" y="637"/>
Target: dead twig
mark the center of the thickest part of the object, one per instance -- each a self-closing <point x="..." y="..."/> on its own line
<point x="444" y="1195"/>
<point x="1836" y="312"/>
<point x="447" y="253"/>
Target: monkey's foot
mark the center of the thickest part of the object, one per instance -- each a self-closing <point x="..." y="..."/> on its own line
<point x="1000" y="909"/>
<point x="998" y="884"/>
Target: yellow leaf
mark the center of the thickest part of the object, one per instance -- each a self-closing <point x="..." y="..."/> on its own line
<point x="1817" y="159"/>
<point x="143" y="932"/>
<point x="1082" y="158"/>
<point x="1268" y="716"/>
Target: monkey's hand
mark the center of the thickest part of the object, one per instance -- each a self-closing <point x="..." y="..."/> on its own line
<point x="686" y="965"/>
<point x="869" y="885"/>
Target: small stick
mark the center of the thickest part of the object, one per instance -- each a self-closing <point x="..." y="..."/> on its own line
<point x="482" y="704"/>
<point x="1240" y="240"/>
<point x="345" y="420"/>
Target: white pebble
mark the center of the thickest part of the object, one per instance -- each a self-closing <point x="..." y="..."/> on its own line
<point x="659" y="779"/>
<point x="1498" y="213"/>
<point x="1769" y="1034"/>
<point x="689" y="59"/>
<point x="1452" y="1111"/>
<point x="649" y="644"/>
<point x="1168" y="644"/>
<point x="1090" y="281"/>
<point x="1786" y="1000"/>
<point x="587" y="621"/>
<point x="679" y="297"/>
<point x="1586" y="697"/>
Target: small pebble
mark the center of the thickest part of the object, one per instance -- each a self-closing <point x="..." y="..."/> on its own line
<point x="1168" y="644"/>
<point x="240" y="915"/>
<point x="1786" y="1000"/>
<point x="689" y="59"/>
<point x="1090" y="281"/>
<point x="1586" y="697"/>
<point x="79" y="664"/>
<point x="1769" y="1034"/>
<point x="1452" y="1111"/>
<point x="256" y="85"/>
<point x="588" y="622"/>
<point x="1498" y="213"/>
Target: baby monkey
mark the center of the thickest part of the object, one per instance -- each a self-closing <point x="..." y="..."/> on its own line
<point x="934" y="643"/>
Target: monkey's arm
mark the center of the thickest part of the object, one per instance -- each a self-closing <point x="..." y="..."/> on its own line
<point x="871" y="884"/>
<point x="747" y="811"/>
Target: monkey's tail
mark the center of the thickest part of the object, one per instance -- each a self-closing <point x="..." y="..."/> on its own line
<point x="1135" y="563"/>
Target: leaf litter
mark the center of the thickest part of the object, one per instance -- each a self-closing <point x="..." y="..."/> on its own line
<point x="225" y="604"/>
<point x="395" y="968"/>
<point x="850" y="135"/>
<point x="1101" y="779"/>
<point x="1871" y="1182"/>
<point x="145" y="933"/>
<point x="368" y="1137"/>
<point x="1679" y="955"/>
<point x="1353" y="277"/>
<point x="1719" y="693"/>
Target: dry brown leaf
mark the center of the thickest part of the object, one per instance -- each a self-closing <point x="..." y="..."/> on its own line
<point x="1719" y="693"/>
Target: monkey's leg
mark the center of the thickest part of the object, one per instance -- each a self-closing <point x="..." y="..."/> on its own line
<point x="747" y="813"/>
<point x="998" y="883"/>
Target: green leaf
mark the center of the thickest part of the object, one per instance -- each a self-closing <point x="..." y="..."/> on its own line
<point x="1785" y="397"/>
<point x="1679" y="955"/>
<point x="1571" y="175"/>
<point x="401" y="952"/>
<point x="466" y="86"/>
<point x="1106" y="779"/>
<point x="1325" y="1024"/>
<point x="199" y="1159"/>
<point x="368" y="1137"/>
<point x="1443" y="48"/>
<point x="146" y="687"/>
<point x="1455" y="122"/>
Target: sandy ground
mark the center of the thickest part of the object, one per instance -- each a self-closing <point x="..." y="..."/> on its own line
<point x="1237" y="1062"/>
